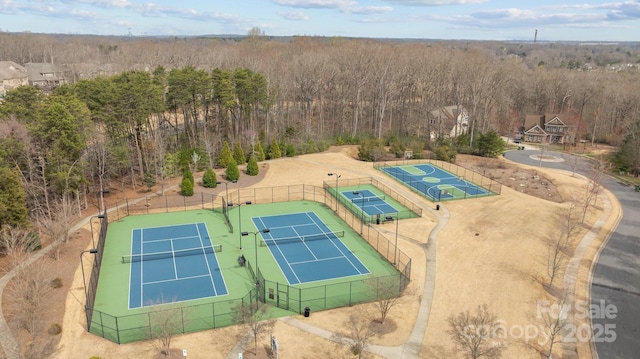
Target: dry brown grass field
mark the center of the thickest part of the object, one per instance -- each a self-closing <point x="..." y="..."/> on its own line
<point x="492" y="251"/>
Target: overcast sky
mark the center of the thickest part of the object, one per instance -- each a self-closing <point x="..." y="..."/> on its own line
<point x="555" y="20"/>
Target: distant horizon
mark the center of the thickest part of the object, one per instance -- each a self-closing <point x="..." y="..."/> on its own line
<point x="463" y="20"/>
<point x="582" y="42"/>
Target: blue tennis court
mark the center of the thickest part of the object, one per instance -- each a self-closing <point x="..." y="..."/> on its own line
<point x="306" y="250"/>
<point x="173" y="264"/>
<point x="434" y="182"/>
<point x="370" y="202"/>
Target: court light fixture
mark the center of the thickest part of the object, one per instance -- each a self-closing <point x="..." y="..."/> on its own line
<point x="395" y="252"/>
<point x="336" y="189"/>
<point x="255" y="243"/>
<point x="231" y="204"/>
<point x="226" y="187"/>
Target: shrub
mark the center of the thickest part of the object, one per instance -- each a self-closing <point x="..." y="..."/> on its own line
<point x="56" y="282"/>
<point x="252" y="166"/>
<point x="274" y="150"/>
<point x="290" y="150"/>
<point x="54" y="329"/>
<point x="186" y="187"/>
<point x="371" y="150"/>
<point x="232" y="172"/>
<point x="209" y="179"/>
<point x="33" y="242"/>
<point x="149" y="180"/>
<point x="189" y="175"/>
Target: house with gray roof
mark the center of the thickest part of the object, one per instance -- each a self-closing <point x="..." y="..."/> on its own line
<point x="12" y="75"/>
<point x="44" y="75"/>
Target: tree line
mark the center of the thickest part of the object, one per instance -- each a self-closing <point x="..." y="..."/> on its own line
<point x="171" y="98"/>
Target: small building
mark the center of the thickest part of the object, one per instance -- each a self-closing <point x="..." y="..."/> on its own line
<point x="44" y="76"/>
<point x="12" y="75"/>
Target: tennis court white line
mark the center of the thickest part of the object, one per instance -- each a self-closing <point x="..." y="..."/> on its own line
<point x="172" y="239"/>
<point x="317" y="260"/>
<point x="173" y="280"/>
<point x="213" y="285"/>
<point x="173" y="259"/>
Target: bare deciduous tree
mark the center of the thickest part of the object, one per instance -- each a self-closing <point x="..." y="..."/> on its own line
<point x="357" y="334"/>
<point x="590" y="191"/>
<point x="475" y="335"/>
<point x="554" y="319"/>
<point x="388" y="294"/>
<point x="255" y="317"/>
<point x="555" y="258"/>
<point x="27" y="295"/>
<point x="166" y="321"/>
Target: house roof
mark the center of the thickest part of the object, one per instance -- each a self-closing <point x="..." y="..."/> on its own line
<point x="40" y="71"/>
<point x="9" y="70"/>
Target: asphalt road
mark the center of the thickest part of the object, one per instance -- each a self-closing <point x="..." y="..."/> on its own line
<point x="615" y="288"/>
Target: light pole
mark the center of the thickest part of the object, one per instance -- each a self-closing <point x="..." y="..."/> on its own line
<point x="255" y="243"/>
<point x="93" y="244"/>
<point x="395" y="252"/>
<point x="337" y="178"/>
<point x="226" y="187"/>
<point x="84" y="283"/>
<point x="231" y="204"/>
<point x="361" y="210"/>
<point x="102" y="193"/>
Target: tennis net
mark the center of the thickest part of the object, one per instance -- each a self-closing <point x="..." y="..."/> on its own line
<point x="170" y="254"/>
<point x="368" y="199"/>
<point x="312" y="237"/>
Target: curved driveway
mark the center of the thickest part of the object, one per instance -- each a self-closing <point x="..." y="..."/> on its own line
<point x="615" y="285"/>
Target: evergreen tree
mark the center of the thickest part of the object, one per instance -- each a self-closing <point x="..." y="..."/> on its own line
<point x="238" y="154"/>
<point x="259" y="152"/>
<point x="274" y="150"/>
<point x="490" y="144"/>
<point x="13" y="205"/>
<point x="186" y="187"/>
<point x="209" y="179"/>
<point x="225" y="155"/>
<point x="188" y="174"/>
<point x="232" y="173"/>
<point x="149" y="180"/>
<point x="252" y="166"/>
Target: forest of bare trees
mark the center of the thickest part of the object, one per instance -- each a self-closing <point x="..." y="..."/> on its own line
<point x="134" y="106"/>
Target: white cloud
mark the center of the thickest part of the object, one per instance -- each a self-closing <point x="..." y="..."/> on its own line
<point x="367" y="10"/>
<point x="434" y="2"/>
<point x="294" y="15"/>
<point x="316" y="4"/>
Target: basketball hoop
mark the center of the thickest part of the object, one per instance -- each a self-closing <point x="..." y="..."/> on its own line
<point x="408" y="155"/>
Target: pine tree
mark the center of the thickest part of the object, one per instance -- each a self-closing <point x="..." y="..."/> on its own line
<point x="259" y="152"/>
<point x="274" y="150"/>
<point x="189" y="175"/>
<point x="186" y="187"/>
<point x="232" y="173"/>
<point x="238" y="154"/>
<point x="149" y="180"/>
<point x="209" y="179"/>
<point x="225" y="155"/>
<point x="252" y="166"/>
